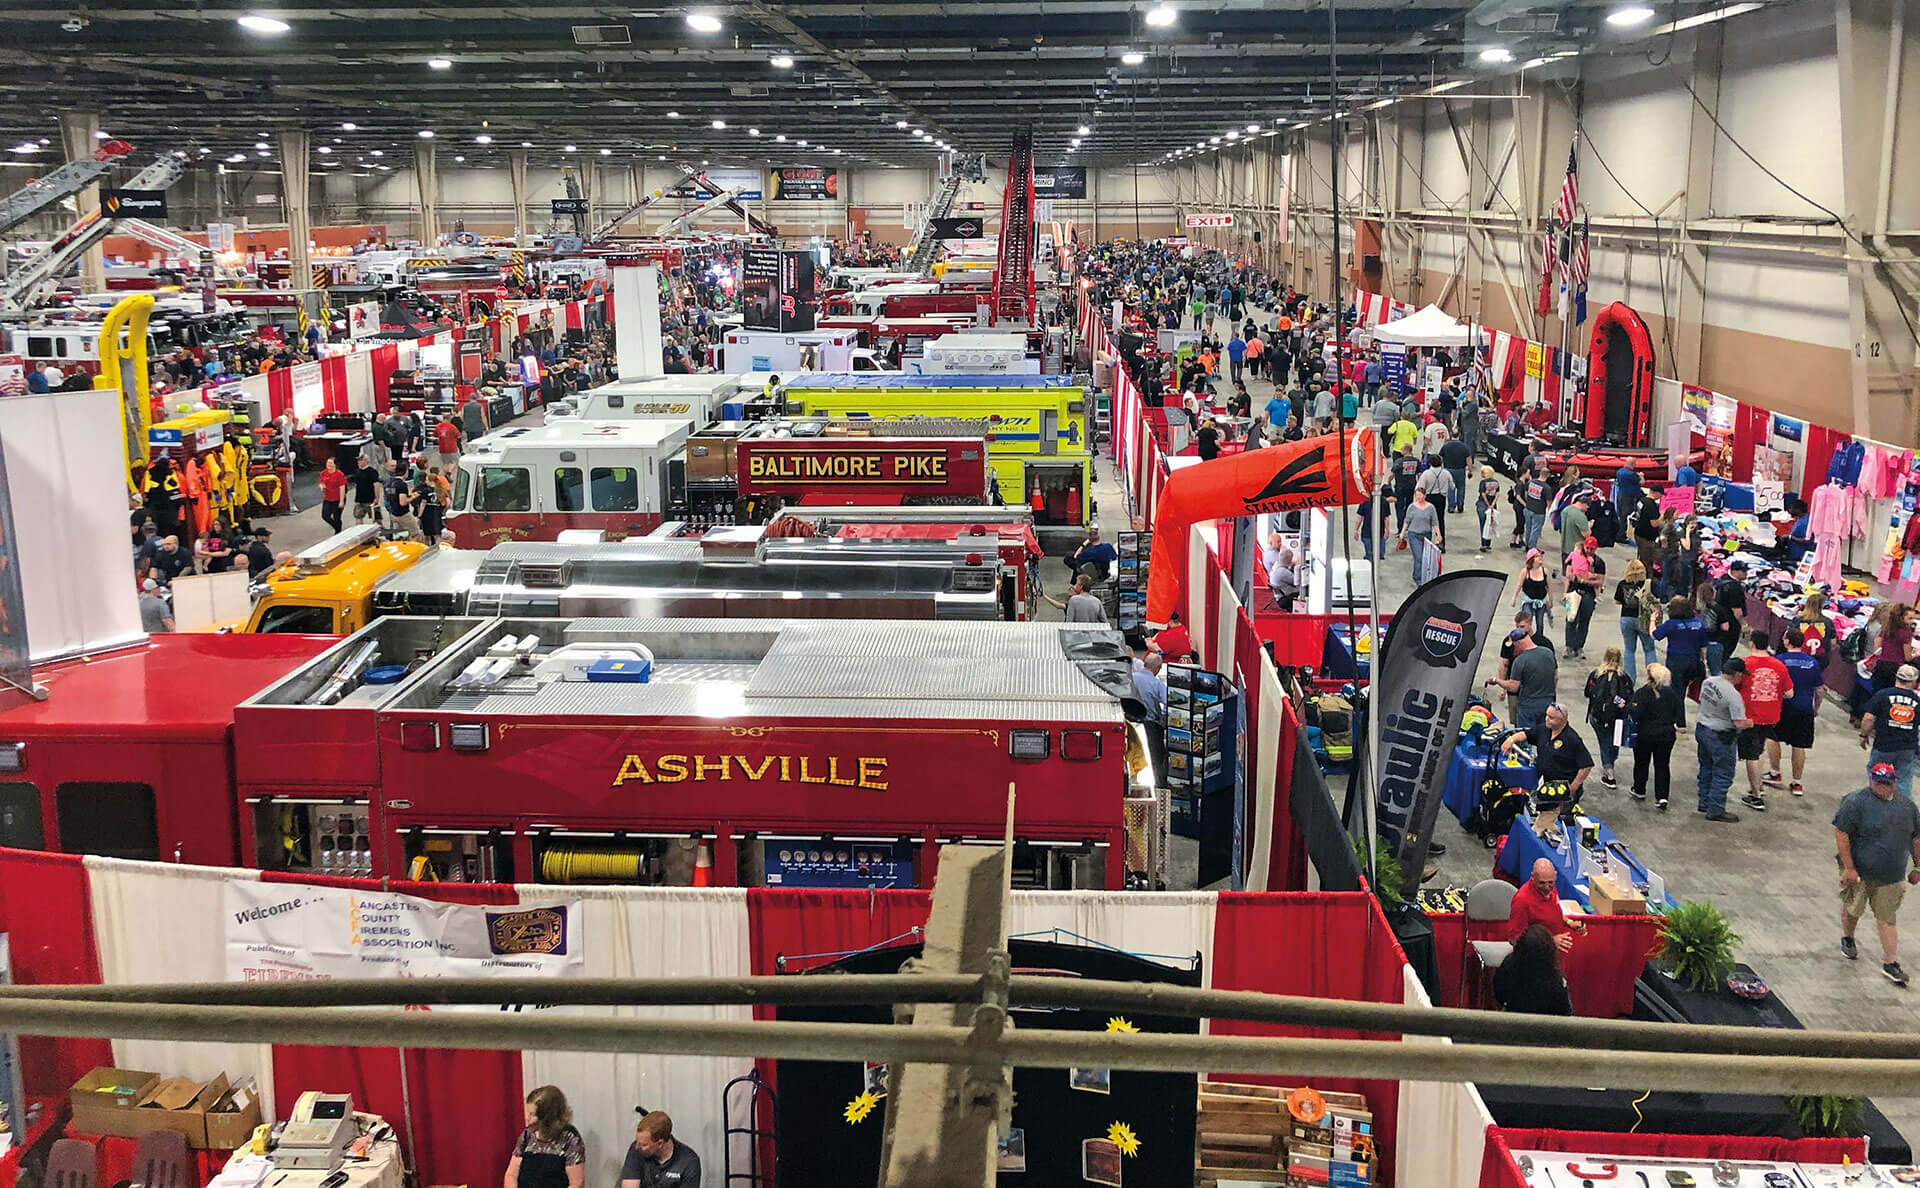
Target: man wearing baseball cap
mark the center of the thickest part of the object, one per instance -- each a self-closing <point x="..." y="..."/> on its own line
<point x="1877" y="838"/>
<point x="1891" y="724"/>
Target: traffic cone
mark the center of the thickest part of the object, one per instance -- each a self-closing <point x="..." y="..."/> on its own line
<point x="1073" y="505"/>
<point x="1039" y="501"/>
<point x="703" y="866"/>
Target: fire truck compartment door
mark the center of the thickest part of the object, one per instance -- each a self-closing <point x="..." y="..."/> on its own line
<point x="1049" y="431"/>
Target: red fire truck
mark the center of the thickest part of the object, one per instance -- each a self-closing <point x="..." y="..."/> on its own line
<point x="783" y="752"/>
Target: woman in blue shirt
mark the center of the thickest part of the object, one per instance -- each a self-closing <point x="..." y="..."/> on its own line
<point x="1686" y="638"/>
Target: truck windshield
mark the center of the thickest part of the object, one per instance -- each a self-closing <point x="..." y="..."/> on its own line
<point x="295" y="618"/>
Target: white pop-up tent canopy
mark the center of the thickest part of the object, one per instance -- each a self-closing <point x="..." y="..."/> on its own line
<point x="1429" y="326"/>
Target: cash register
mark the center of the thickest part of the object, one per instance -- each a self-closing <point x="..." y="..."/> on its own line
<point x="316" y="1137"/>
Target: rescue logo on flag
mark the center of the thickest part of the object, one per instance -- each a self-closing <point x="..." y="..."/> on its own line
<point x="1447" y="637"/>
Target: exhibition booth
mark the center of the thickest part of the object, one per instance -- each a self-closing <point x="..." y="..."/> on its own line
<point x="1605" y="970"/>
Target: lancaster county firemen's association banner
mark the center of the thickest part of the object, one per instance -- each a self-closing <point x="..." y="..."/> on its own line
<point x="278" y="931"/>
<point x="1426" y="671"/>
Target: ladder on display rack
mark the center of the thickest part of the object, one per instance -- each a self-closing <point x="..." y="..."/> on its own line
<point x="1013" y="278"/>
<point x="68" y="179"/>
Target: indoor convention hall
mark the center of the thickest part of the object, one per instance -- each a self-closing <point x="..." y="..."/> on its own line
<point x="758" y="594"/>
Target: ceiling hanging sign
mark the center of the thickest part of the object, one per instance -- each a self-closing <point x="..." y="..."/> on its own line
<point x="569" y="206"/>
<point x="959" y="227"/>
<point x="745" y="184"/>
<point x="804" y="183"/>
<point x="1209" y="220"/>
<point x="1061" y="181"/>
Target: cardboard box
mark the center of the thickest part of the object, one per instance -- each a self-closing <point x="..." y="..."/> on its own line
<point x="104" y="1097"/>
<point x="232" y="1115"/>
<point x="1609" y="898"/>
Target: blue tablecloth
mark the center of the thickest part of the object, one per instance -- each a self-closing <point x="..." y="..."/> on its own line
<point x="1336" y="657"/>
<point x="1466" y="772"/>
<point x="1524" y="847"/>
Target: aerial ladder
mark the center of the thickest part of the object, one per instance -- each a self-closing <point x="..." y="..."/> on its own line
<point x="687" y="218"/>
<point x="573" y="191"/>
<point x="731" y="202"/>
<point x="68" y="179"/>
<point x="171" y="241"/>
<point x="606" y="229"/>
<point x="36" y="280"/>
<point x="1013" y="295"/>
<point x="970" y="167"/>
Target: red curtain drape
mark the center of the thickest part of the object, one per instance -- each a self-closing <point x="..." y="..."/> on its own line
<point x="1749" y="430"/>
<point x="279" y="390"/>
<point x="1498" y="1169"/>
<point x="47" y="915"/>
<point x="385" y="360"/>
<point x="333" y="383"/>
<point x="1601" y="967"/>
<point x="462" y="1109"/>
<point x="1298" y="638"/>
<point x="1821" y="442"/>
<point x="1328" y="944"/>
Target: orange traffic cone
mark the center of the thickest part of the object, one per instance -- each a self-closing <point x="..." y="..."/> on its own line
<point x="703" y="866"/>
<point x="1073" y="505"/>
<point x="1039" y="501"/>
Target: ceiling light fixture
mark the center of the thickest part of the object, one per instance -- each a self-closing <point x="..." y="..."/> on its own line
<point x="1162" y="15"/>
<point x="803" y="144"/>
<point x="376" y="153"/>
<point x="900" y="124"/>
<point x="1496" y="54"/>
<point x="323" y="150"/>
<point x="1132" y="58"/>
<point x="349" y="126"/>
<point x="440" y="63"/>
<point x="1253" y="127"/>
<point x="1703" y="18"/>
<point x="457" y="159"/>
<point x="753" y="131"/>
<point x="253" y="22"/>
<point x="235" y="159"/>
<point x="483" y="138"/>
<point x="570" y="149"/>
<point x="526" y="144"/>
<point x="673" y="115"/>
<point x="426" y="133"/>
<point x="919" y="132"/>
<point x="1627" y="18"/>
<point x="781" y="61"/>
<point x="703" y="22"/>
<point x="719" y="125"/>
<point x="1083" y="130"/>
<point x="1213" y="140"/>
<point x="259" y="144"/>
<point x="606" y="152"/>
<point x="782" y="138"/>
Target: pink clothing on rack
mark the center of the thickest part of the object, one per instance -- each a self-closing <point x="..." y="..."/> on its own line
<point x="1840" y="512"/>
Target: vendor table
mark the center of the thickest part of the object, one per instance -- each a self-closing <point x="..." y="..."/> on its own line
<point x="1468" y="770"/>
<point x="1337" y="658"/>
<point x="1601" y="967"/>
<point x="343" y="448"/>
<point x="380" y="1169"/>
<point x="1524" y="847"/>
<point x="53" y="1114"/>
<point x="115" y="1155"/>
<point x="1671" y="1113"/>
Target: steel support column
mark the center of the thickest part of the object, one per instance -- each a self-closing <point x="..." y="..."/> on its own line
<point x="1879" y="43"/>
<point x="426" y="174"/>
<point x="296" y="196"/>
<point x="78" y="139"/>
<point x="517" y="183"/>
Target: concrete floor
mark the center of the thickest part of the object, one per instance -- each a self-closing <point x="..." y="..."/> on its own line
<point x="1772" y="873"/>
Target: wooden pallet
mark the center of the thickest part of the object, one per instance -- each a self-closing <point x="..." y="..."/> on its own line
<point x="1241" y="1132"/>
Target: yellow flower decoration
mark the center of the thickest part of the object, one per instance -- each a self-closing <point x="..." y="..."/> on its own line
<point x="1121" y="1026"/>
<point x="858" y="1109"/>
<point x="1121" y="1135"/>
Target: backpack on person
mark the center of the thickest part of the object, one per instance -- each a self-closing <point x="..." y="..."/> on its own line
<point x="1857" y="644"/>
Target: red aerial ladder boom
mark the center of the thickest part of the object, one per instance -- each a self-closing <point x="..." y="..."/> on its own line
<point x="1013" y="297"/>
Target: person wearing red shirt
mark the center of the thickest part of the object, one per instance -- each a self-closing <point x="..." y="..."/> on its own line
<point x="1768" y="685"/>
<point x="333" y="487"/>
<point x="1173" y="641"/>
<point x="1538" y="902"/>
<point x="446" y="442"/>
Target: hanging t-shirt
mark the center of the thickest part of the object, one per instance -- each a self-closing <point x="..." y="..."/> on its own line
<point x="1766" y="689"/>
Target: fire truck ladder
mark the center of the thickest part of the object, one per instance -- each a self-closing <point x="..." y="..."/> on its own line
<point x="67" y="179"/>
<point x="606" y="229"/>
<point x="686" y="219"/>
<point x="1013" y="279"/>
<point x="172" y="241"/>
<point x="573" y="191"/>
<point x="758" y="226"/>
<point x="972" y="167"/>
<point x="37" y="278"/>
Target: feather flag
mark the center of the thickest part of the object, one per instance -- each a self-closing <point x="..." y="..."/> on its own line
<point x="1582" y="269"/>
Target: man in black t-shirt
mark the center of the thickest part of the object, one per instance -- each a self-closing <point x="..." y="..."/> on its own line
<point x="1729" y="613"/>
<point x="259" y="553"/>
<point x="1406" y="471"/>
<point x="1537" y="490"/>
<point x="366" y="493"/>
<point x="658" y="1160"/>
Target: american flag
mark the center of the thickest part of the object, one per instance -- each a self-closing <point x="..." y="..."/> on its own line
<point x="1569" y="203"/>
<point x="1582" y="268"/>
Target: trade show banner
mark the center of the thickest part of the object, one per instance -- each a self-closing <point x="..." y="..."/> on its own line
<point x="1061" y="181"/>
<point x="760" y="288"/>
<point x="799" y="295"/>
<point x="804" y="183"/>
<point x="277" y="932"/>
<point x="1427" y="664"/>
